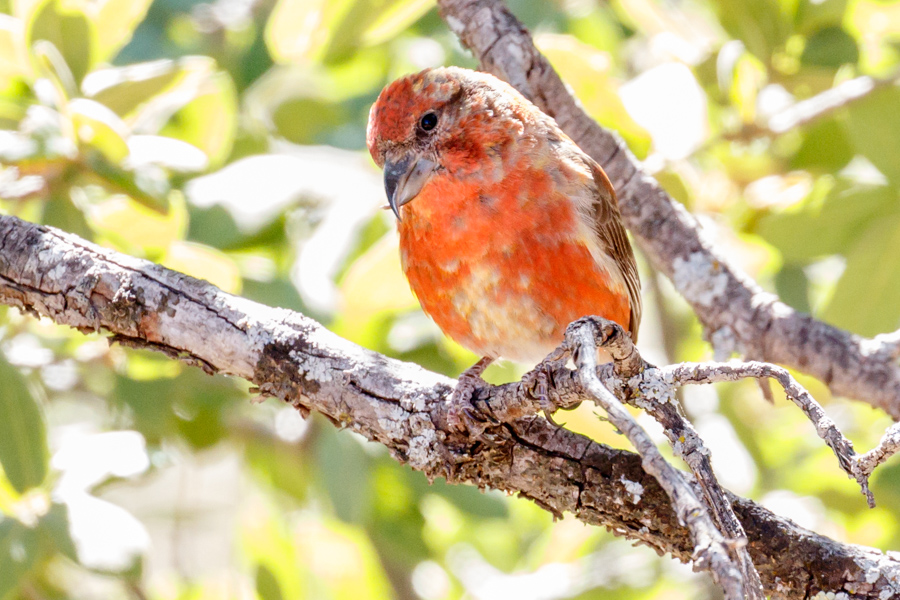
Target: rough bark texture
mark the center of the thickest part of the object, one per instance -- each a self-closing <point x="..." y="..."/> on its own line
<point x="287" y="355"/>
<point x="737" y="315"/>
<point x="732" y="568"/>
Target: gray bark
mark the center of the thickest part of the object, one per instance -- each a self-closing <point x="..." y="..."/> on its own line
<point x="402" y="406"/>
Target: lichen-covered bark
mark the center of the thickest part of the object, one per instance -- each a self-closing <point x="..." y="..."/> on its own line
<point x="287" y="355"/>
<point x="736" y="313"/>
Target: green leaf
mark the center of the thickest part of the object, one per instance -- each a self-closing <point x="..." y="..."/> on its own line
<point x="113" y="218"/>
<point x="18" y="552"/>
<point x="865" y="300"/>
<point x="53" y="529"/>
<point x="294" y="29"/>
<point x="60" y="212"/>
<point x="829" y="221"/>
<point x="305" y="120"/>
<point x="331" y="30"/>
<point x="204" y="262"/>
<point x="471" y="500"/>
<point x="392" y="17"/>
<point x="23" y="434"/>
<point x="116" y="21"/>
<point x="196" y="409"/>
<point x="267" y="584"/>
<point x="12" y="62"/>
<point x="748" y="76"/>
<point x="267" y="541"/>
<point x="373" y="290"/>
<point x="209" y="120"/>
<point x="830" y="47"/>
<point x="280" y="464"/>
<point x="760" y="25"/>
<point x="825" y="148"/>
<point x="344" y="469"/>
<point x="125" y="89"/>
<point x="874" y="128"/>
<point x="99" y="128"/>
<point x="792" y="286"/>
<point x="150" y="190"/>
<point x="170" y="154"/>
<point x="812" y="15"/>
<point x="589" y="73"/>
<point x="68" y="29"/>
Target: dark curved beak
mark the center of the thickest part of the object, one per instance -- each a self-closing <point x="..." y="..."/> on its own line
<point x="404" y="178"/>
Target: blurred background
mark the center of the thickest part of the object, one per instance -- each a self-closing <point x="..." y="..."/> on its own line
<point x="226" y="139"/>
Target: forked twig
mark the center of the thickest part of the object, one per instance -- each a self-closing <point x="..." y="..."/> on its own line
<point x="710" y="548"/>
<point x="694" y="373"/>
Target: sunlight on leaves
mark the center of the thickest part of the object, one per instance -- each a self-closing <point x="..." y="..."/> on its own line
<point x="204" y="262"/>
<point x="373" y="287"/>
<point x="589" y="73"/>
<point x="115" y="218"/>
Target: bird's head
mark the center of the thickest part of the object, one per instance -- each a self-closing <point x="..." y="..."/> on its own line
<point x="445" y="120"/>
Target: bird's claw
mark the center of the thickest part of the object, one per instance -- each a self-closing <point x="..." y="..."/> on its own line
<point x="539" y="381"/>
<point x="462" y="415"/>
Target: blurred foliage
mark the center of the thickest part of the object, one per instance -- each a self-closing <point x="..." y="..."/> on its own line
<point x="226" y="139"/>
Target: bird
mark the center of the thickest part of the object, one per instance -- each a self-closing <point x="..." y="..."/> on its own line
<point x="508" y="230"/>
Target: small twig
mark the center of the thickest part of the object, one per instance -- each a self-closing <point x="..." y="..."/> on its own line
<point x="887" y="344"/>
<point x="693" y="373"/>
<point x="864" y="464"/>
<point x="804" y="112"/>
<point x="710" y="550"/>
<point x="651" y="392"/>
<point x="823" y="104"/>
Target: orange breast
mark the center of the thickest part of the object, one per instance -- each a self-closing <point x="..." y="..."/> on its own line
<point x="503" y="267"/>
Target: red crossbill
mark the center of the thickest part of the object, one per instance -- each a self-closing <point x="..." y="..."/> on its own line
<point x="508" y="231"/>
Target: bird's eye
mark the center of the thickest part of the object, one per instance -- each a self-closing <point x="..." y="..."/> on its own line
<point x="428" y="121"/>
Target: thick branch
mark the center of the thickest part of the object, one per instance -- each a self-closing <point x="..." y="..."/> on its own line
<point x="737" y="314"/>
<point x="287" y="355"/>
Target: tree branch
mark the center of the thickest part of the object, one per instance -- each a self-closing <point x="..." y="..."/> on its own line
<point x="737" y="315"/>
<point x="691" y="373"/>
<point x="825" y="103"/>
<point x="737" y="578"/>
<point x="402" y="406"/>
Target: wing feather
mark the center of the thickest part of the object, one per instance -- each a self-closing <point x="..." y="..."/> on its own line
<point x="607" y="224"/>
<point x="599" y="210"/>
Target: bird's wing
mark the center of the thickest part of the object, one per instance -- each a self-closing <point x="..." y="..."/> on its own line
<point x="607" y="224"/>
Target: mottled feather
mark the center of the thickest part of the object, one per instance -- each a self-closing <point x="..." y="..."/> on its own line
<point x="517" y="232"/>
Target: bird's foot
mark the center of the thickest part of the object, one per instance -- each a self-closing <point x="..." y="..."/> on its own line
<point x="462" y="415"/>
<point x="539" y="381"/>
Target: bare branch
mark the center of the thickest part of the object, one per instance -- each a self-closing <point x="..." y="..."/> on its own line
<point x="692" y="373"/>
<point x="642" y="385"/>
<point x="885" y="346"/>
<point x="402" y="406"/>
<point x="826" y="103"/>
<point x="810" y="110"/>
<point x="735" y="312"/>
<point x="710" y="551"/>
<point x="865" y="464"/>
